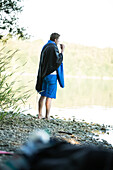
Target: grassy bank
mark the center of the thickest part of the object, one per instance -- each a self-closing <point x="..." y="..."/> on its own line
<point x="78" y="59"/>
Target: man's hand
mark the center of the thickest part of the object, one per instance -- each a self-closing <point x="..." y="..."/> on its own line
<point x="62" y="46"/>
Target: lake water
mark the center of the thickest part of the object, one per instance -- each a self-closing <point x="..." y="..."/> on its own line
<point x="88" y="99"/>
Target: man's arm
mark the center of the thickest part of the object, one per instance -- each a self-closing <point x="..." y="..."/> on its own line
<point x="59" y="56"/>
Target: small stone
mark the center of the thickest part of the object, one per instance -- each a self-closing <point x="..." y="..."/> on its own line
<point x="69" y="118"/>
<point x="103" y="128"/>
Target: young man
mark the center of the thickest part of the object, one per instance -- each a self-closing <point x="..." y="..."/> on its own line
<point x="46" y="85"/>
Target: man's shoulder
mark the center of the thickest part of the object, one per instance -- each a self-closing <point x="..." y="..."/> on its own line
<point x="49" y="46"/>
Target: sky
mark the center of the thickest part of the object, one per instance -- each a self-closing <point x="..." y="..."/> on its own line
<point x="86" y="22"/>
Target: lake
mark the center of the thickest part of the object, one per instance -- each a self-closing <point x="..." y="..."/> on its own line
<point x="83" y="98"/>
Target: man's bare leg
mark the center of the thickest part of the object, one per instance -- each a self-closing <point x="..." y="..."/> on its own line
<point x="40" y="106"/>
<point x="48" y="107"/>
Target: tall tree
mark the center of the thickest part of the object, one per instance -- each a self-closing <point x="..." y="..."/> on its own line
<point x="9" y="10"/>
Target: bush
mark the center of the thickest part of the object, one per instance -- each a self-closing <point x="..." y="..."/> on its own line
<point x="10" y="97"/>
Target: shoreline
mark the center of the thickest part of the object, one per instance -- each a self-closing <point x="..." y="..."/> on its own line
<point x="14" y="132"/>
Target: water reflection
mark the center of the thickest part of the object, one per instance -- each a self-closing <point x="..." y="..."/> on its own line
<point x="85" y="92"/>
<point x="87" y="99"/>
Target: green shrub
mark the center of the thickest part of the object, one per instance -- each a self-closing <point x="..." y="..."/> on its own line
<point x="10" y="97"/>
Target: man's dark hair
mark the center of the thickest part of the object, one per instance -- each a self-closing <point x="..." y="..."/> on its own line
<point x="54" y="36"/>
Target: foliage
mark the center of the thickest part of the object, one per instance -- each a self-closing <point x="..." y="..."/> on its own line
<point x="9" y="10"/>
<point x="79" y="60"/>
<point x="10" y="96"/>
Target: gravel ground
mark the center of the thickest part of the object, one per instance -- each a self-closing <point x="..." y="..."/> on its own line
<point x="14" y="132"/>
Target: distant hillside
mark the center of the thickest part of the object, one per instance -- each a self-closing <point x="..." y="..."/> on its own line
<point x="78" y="59"/>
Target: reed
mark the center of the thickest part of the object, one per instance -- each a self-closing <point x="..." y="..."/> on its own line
<point x="11" y="97"/>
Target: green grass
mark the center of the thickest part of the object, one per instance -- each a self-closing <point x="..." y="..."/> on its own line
<point x="11" y="96"/>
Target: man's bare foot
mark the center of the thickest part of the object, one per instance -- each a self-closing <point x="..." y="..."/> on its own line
<point x="39" y="116"/>
<point x="47" y="118"/>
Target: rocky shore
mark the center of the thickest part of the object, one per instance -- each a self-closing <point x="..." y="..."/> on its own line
<point x="14" y="132"/>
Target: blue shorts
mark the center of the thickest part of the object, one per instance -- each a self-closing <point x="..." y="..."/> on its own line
<point x="49" y="86"/>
